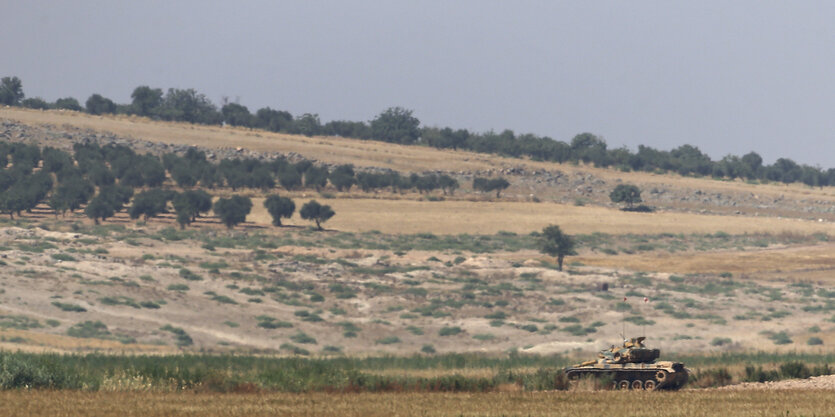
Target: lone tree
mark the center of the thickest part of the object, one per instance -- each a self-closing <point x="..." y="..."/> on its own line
<point x="487" y="185"/>
<point x="554" y="242"/>
<point x="312" y="210"/>
<point x="396" y="125"/>
<point x="232" y="211"/>
<point x="279" y="207"/>
<point x="11" y="91"/>
<point x="626" y="193"/>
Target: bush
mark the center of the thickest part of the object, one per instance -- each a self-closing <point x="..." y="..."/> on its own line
<point x="388" y="340"/>
<point x="814" y="341"/>
<point x="720" y="341"/>
<point x="428" y="349"/>
<point x="74" y="308"/>
<point x="177" y="287"/>
<point x="757" y="374"/>
<point x="182" y="338"/>
<point x="89" y="329"/>
<point x="795" y="369"/>
<point x="449" y="331"/>
<point x="268" y="322"/>
<point x="303" y="338"/>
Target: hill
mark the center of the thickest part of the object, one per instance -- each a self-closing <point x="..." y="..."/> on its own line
<point x="724" y="265"/>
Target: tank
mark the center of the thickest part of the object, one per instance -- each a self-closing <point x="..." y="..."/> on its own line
<point x="632" y="366"/>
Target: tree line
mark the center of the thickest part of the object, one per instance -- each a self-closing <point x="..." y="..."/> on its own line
<point x="108" y="164"/>
<point x="103" y="181"/>
<point x="399" y="125"/>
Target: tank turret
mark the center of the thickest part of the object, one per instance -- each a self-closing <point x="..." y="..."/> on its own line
<point x="632" y="366"/>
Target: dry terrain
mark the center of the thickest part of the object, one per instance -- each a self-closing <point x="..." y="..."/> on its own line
<point x="607" y="403"/>
<point x="722" y="267"/>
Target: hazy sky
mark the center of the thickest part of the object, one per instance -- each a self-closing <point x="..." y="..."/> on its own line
<point x="726" y="76"/>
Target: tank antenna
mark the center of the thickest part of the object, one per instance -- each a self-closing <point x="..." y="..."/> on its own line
<point x="623" y="322"/>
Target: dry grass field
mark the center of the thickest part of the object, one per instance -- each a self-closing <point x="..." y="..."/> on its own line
<point x="604" y="403"/>
<point x="455" y="217"/>
<point x="38" y="342"/>
<point x="806" y="263"/>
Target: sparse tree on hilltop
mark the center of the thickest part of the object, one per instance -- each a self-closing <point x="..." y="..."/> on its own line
<point x="396" y="125"/>
<point x="146" y="100"/>
<point x="97" y="104"/>
<point x="11" y="91"/>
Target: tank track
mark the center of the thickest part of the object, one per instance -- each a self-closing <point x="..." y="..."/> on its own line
<point x="633" y="379"/>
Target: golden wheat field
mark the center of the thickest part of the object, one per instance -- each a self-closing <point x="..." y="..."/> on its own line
<point x="604" y="403"/>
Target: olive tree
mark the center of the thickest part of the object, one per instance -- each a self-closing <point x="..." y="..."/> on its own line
<point x="232" y="211"/>
<point x="312" y="210"/>
<point x="626" y="193"/>
<point x="279" y="207"/>
<point x="554" y="242"/>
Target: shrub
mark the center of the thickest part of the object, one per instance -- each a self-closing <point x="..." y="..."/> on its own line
<point x="388" y="340"/>
<point x="294" y="349"/>
<point x="530" y="327"/>
<point x="814" y="341"/>
<point x="89" y="329"/>
<point x="177" y="287"/>
<point x="268" y="322"/>
<point x="428" y="349"/>
<point x="191" y="276"/>
<point x="794" y="369"/>
<point x="449" y="331"/>
<point x="757" y="374"/>
<point x="303" y="338"/>
<point x="720" y="341"/>
<point x="74" y="308"/>
<point x="414" y="330"/>
<point x="182" y="338"/>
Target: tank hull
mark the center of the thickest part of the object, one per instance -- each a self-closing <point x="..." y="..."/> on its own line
<point x="644" y="376"/>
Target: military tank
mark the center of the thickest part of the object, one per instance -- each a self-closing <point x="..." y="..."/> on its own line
<point x="632" y="366"/>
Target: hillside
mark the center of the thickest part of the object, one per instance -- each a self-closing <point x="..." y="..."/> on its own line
<point x="725" y="265"/>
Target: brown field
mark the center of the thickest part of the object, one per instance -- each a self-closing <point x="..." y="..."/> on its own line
<point x="38" y="342"/>
<point x="807" y="263"/>
<point x="454" y="217"/>
<point x="371" y="153"/>
<point x="605" y="403"/>
<point x="471" y="217"/>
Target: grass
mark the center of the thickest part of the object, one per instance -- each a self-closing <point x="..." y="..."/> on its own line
<point x="609" y="403"/>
